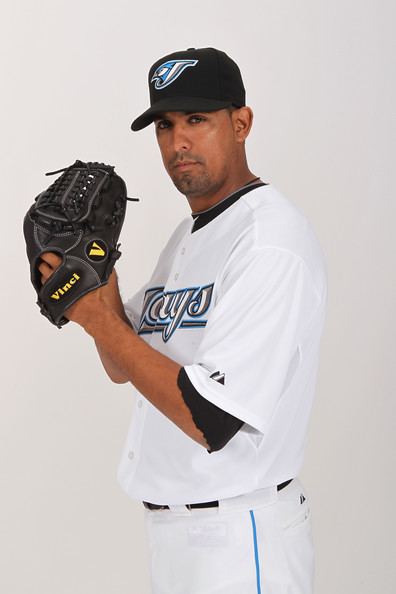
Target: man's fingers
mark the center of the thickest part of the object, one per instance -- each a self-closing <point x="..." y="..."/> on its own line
<point x="51" y="259"/>
<point x="46" y="271"/>
<point x="49" y="263"/>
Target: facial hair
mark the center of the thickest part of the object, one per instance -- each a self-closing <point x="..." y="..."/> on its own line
<point x="195" y="184"/>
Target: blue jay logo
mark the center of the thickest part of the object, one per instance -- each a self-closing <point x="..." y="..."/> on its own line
<point x="169" y="72"/>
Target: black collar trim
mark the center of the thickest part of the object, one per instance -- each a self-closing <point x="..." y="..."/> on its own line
<point x="203" y="218"/>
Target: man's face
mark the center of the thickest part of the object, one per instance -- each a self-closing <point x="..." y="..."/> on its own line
<point x="198" y="149"/>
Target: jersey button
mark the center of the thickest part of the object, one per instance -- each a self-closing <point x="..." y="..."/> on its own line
<point x="176" y="276"/>
<point x="131" y="455"/>
<point x="140" y="404"/>
<point x="183" y="251"/>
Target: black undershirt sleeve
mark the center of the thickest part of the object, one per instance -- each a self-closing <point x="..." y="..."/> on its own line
<point x="217" y="426"/>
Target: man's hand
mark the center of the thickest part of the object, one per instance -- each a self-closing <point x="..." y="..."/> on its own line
<point x="88" y="305"/>
<point x="92" y="304"/>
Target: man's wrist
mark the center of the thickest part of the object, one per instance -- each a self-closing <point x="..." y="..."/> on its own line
<point x="103" y="323"/>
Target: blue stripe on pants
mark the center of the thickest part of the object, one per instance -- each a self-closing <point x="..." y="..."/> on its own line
<point x="256" y="557"/>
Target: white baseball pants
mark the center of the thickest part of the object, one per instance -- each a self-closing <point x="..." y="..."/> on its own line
<point x="259" y="543"/>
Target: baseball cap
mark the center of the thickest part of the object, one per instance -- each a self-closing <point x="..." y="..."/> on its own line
<point x="203" y="79"/>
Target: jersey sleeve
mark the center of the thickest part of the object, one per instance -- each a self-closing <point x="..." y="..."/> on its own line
<point x="250" y="346"/>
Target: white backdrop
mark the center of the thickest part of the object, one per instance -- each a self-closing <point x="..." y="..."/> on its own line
<point x="320" y="77"/>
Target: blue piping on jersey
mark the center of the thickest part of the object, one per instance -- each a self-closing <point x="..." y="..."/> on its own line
<point x="256" y="557"/>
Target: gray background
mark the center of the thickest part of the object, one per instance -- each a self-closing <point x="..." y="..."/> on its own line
<point x="320" y="79"/>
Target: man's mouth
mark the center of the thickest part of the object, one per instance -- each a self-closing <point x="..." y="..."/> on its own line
<point x="181" y="165"/>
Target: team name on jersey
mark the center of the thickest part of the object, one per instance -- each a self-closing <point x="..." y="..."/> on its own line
<point x="165" y="311"/>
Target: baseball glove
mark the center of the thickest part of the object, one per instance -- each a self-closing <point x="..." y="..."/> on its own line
<point x="79" y="217"/>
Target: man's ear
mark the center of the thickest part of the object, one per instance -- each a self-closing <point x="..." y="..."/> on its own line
<point x="242" y="119"/>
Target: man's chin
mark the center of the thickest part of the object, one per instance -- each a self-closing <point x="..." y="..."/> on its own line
<point x="191" y="186"/>
<point x="184" y="186"/>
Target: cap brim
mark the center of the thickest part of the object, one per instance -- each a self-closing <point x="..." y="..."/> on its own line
<point x="177" y="104"/>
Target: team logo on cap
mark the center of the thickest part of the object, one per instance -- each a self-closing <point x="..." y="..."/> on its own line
<point x="169" y="72"/>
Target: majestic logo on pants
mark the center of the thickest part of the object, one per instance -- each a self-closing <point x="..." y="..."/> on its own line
<point x="165" y="311"/>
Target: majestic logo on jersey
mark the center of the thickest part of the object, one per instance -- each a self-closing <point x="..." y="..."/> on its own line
<point x="168" y="72"/>
<point x="219" y="377"/>
<point x="165" y="311"/>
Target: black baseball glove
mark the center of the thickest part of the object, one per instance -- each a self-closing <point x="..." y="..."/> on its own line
<point x="79" y="217"/>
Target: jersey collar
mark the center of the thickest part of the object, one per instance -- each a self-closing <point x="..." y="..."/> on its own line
<point x="203" y="218"/>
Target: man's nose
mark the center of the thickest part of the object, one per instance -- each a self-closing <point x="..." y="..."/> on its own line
<point x="181" y="139"/>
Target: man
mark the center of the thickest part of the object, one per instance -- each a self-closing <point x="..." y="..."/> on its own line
<point x="221" y="346"/>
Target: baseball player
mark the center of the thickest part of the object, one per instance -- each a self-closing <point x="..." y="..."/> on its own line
<point x="221" y="347"/>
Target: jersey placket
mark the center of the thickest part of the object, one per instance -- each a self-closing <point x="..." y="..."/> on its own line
<point x="141" y="408"/>
<point x="134" y="444"/>
<point x="174" y="280"/>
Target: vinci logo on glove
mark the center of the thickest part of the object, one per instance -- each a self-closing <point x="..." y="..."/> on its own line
<point x="96" y="250"/>
<point x="62" y="290"/>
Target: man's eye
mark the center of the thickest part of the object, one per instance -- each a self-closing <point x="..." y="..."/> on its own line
<point x="196" y="119"/>
<point x="162" y="124"/>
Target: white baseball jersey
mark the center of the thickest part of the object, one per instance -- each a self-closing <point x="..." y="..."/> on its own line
<point x="240" y="303"/>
